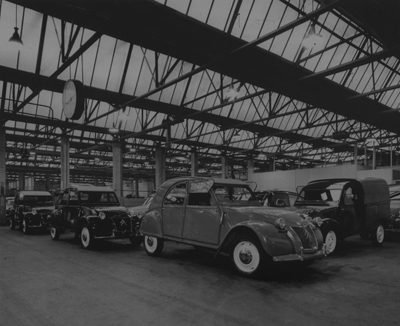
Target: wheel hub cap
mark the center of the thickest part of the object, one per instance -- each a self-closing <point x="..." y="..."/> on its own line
<point x="150" y="241"/>
<point x="245" y="256"/>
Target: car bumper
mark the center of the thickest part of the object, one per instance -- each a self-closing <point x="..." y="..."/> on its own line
<point x="302" y="255"/>
<point x="116" y="235"/>
<point x="38" y="225"/>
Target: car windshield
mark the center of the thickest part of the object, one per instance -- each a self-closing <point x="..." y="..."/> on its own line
<point x="38" y="201"/>
<point x="320" y="194"/>
<point x="148" y="200"/>
<point x="235" y="195"/>
<point x="98" y="198"/>
<point x="395" y="195"/>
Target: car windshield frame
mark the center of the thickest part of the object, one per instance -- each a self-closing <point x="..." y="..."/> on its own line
<point x="38" y="201"/>
<point x="98" y="198"/>
<point x="329" y="195"/>
<point x="234" y="195"/>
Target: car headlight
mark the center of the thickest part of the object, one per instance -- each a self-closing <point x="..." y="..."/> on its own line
<point x="139" y="215"/>
<point x="317" y="221"/>
<point x="102" y="215"/>
<point x="280" y="223"/>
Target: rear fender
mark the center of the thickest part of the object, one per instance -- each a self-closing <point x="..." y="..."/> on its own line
<point x="151" y="224"/>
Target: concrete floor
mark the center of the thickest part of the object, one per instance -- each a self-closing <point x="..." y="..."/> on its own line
<point x="45" y="282"/>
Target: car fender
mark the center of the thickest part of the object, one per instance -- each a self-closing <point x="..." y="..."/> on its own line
<point x="89" y="220"/>
<point x="330" y="223"/>
<point x="273" y="241"/>
<point x="27" y="216"/>
<point x="151" y="224"/>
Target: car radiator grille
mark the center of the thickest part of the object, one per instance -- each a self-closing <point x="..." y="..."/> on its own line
<point x="122" y="224"/>
<point x="306" y="236"/>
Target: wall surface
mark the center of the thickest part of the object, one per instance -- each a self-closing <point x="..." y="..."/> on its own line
<point x="291" y="179"/>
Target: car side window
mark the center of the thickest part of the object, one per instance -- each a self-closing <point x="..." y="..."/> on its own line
<point x="64" y="198"/>
<point x="200" y="199"/>
<point x="73" y="198"/>
<point x="348" y="197"/>
<point x="176" y="196"/>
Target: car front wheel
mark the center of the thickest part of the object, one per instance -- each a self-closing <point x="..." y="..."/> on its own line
<point x="330" y="240"/>
<point x="378" y="237"/>
<point x="54" y="233"/>
<point x="87" y="239"/>
<point x="11" y="224"/>
<point x="25" y="227"/>
<point x="153" y="246"/>
<point x="246" y="256"/>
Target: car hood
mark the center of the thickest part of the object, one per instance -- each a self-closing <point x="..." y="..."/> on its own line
<point x="112" y="211"/>
<point x="264" y="214"/>
<point x="44" y="209"/>
<point x="313" y="210"/>
<point x="138" y="209"/>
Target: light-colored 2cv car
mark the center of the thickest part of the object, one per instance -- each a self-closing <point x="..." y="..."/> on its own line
<point x="224" y="216"/>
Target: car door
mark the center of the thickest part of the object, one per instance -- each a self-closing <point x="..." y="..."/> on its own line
<point x="173" y="211"/>
<point x="203" y="215"/>
<point x="72" y="209"/>
<point x="347" y="211"/>
<point x="61" y="208"/>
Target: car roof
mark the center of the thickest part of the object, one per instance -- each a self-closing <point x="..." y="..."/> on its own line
<point x="34" y="193"/>
<point x="283" y="191"/>
<point x="219" y="181"/>
<point x="89" y="187"/>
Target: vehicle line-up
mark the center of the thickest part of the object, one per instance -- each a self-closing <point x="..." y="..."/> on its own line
<point x="223" y="216"/>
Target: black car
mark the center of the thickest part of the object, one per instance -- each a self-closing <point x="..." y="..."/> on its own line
<point x="31" y="210"/>
<point x="92" y="213"/>
<point x="347" y="207"/>
<point x="9" y="207"/>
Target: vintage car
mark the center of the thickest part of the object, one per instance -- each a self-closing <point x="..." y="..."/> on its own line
<point x="92" y="213"/>
<point x="347" y="207"/>
<point x="394" y="225"/>
<point x="31" y="210"/>
<point x="141" y="209"/>
<point x="9" y="206"/>
<point x="209" y="213"/>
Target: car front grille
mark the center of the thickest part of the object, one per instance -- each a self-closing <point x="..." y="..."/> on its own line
<point x="306" y="236"/>
<point x="122" y="224"/>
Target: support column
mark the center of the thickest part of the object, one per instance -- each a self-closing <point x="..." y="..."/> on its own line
<point x="48" y="185"/>
<point x="391" y="156"/>
<point x="373" y="157"/>
<point x="118" y="171"/>
<point x="365" y="155"/>
<point x="21" y="181"/>
<point x="136" y="187"/>
<point x="64" y="161"/>
<point x="224" y="167"/>
<point x="250" y="168"/>
<point x="3" y="181"/>
<point x="355" y="154"/>
<point x="160" y="166"/>
<point x="194" y="158"/>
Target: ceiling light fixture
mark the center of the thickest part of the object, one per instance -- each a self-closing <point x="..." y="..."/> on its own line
<point x="15" y="37"/>
<point x="312" y="39"/>
<point x="113" y="129"/>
